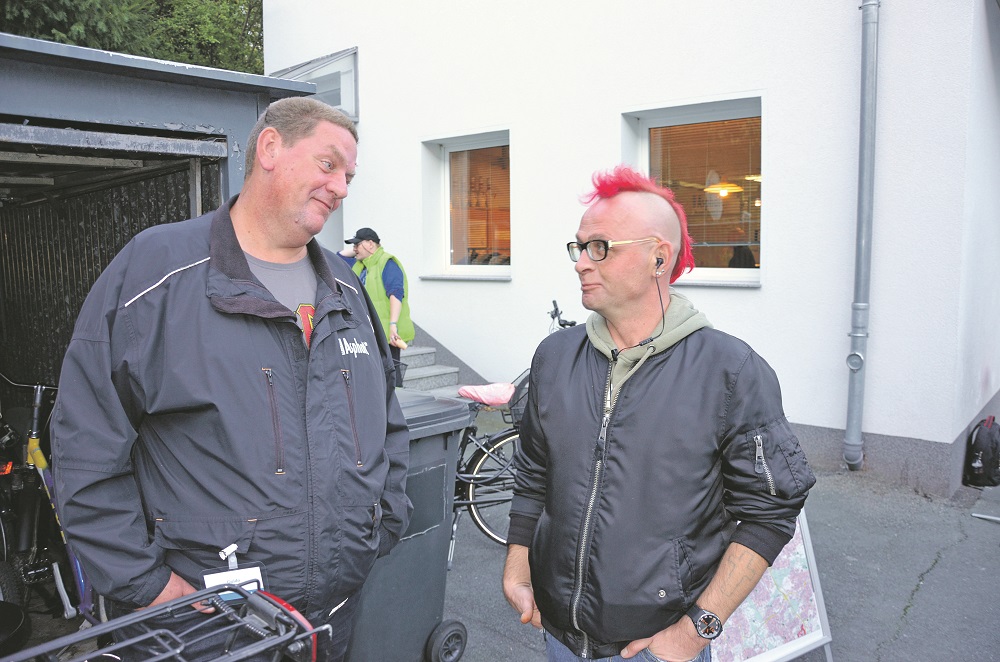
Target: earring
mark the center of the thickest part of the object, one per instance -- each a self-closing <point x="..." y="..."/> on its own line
<point x="659" y="273"/>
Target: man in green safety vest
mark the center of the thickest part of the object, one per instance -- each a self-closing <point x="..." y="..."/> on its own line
<point x="384" y="279"/>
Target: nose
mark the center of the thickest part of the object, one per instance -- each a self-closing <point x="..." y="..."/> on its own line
<point x="336" y="184"/>
<point x="584" y="263"/>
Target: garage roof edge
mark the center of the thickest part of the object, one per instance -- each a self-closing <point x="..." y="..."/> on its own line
<point x="48" y="52"/>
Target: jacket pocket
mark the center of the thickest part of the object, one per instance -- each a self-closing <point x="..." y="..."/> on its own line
<point x="673" y="591"/>
<point x="649" y="586"/>
<point x="272" y="400"/>
<point x="349" y="393"/>
<point x="358" y="546"/>
<point x="210" y="535"/>
<point x="192" y="546"/>
<point x="778" y="461"/>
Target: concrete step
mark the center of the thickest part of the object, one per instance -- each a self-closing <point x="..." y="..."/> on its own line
<point x="418" y="357"/>
<point x="428" y="377"/>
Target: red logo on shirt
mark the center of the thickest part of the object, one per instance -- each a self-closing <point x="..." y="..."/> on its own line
<point x="305" y="311"/>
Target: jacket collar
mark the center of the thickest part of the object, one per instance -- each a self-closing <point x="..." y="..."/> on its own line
<point x="233" y="288"/>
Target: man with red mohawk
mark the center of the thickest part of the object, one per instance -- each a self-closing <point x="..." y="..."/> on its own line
<point x="658" y="476"/>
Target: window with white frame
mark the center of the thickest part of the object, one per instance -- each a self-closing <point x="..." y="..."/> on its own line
<point x="467" y="203"/>
<point x="710" y="155"/>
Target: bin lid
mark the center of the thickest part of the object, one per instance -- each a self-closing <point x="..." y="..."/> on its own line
<point x="427" y="415"/>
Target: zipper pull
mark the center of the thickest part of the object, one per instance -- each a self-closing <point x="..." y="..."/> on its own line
<point x="602" y="437"/>
<point x="758" y="466"/>
<point x="270" y="377"/>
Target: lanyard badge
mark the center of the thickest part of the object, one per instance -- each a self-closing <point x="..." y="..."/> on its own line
<point x="250" y="575"/>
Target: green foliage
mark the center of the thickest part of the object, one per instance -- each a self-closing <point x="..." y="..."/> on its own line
<point x="227" y="34"/>
<point x="224" y="33"/>
<point x="117" y="25"/>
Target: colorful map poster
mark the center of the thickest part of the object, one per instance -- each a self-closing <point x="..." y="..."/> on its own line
<point x="784" y="617"/>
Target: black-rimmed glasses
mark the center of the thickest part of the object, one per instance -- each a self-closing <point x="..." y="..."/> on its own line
<point x="597" y="249"/>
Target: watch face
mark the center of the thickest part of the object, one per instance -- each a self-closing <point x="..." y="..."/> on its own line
<point x="708" y="625"/>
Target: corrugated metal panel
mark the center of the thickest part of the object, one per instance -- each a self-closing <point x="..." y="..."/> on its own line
<point x="51" y="254"/>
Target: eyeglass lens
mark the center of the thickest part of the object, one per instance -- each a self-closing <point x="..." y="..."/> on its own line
<point x="597" y="249"/>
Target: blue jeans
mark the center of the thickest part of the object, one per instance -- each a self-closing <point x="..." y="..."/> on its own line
<point x="557" y="652"/>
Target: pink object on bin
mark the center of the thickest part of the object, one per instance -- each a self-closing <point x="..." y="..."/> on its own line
<point x="493" y="395"/>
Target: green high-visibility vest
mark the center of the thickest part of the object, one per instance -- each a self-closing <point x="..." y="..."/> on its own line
<point x="376" y="290"/>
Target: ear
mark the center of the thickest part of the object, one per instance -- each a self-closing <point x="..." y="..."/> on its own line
<point x="665" y="252"/>
<point x="268" y="148"/>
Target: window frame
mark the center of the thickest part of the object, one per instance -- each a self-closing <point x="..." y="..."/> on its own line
<point x="345" y="63"/>
<point x="636" y="140"/>
<point x="437" y="215"/>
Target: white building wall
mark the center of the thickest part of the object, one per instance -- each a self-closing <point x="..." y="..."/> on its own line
<point x="559" y="78"/>
<point x="979" y="341"/>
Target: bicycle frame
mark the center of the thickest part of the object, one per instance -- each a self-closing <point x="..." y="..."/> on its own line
<point x="470" y="480"/>
<point x="35" y="460"/>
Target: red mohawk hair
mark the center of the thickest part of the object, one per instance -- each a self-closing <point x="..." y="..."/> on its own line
<point x="624" y="179"/>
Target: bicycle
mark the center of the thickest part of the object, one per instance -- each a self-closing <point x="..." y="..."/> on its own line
<point x="33" y="549"/>
<point x="484" y="481"/>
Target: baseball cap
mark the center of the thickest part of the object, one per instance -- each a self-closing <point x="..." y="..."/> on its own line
<point x="362" y="235"/>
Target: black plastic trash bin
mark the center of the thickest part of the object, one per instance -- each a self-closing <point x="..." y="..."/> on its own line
<point x="400" y="616"/>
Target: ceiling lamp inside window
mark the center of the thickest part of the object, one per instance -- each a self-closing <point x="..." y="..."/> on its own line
<point x="722" y="189"/>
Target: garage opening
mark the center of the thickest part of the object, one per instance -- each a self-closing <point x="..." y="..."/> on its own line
<point x="71" y="196"/>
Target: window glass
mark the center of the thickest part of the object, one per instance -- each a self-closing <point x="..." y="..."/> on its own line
<point x="479" y="205"/>
<point x="714" y="170"/>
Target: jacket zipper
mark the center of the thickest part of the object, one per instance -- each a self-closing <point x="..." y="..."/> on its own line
<point x="354" y="424"/>
<point x="760" y="465"/>
<point x="275" y="422"/>
<point x="581" y="553"/>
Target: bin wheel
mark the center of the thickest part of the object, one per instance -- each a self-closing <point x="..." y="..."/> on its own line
<point x="447" y="642"/>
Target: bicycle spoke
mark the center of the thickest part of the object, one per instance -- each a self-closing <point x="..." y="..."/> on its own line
<point x="491" y="483"/>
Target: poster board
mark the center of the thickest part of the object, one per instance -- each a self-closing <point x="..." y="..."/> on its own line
<point x="784" y="617"/>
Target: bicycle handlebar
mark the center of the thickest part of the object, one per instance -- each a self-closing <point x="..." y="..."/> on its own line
<point x="556" y="315"/>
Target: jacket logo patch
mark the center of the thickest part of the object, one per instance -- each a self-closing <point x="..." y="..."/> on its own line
<point x="352" y="347"/>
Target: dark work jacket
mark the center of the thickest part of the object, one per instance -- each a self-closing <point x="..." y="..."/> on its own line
<point x="191" y="415"/>
<point x="629" y="526"/>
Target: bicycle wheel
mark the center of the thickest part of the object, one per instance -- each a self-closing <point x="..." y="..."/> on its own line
<point x="11" y="587"/>
<point x="492" y="485"/>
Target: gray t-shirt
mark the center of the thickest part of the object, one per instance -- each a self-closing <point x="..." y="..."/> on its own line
<point x="293" y="285"/>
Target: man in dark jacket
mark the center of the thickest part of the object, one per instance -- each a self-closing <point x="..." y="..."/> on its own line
<point x="658" y="477"/>
<point x="226" y="394"/>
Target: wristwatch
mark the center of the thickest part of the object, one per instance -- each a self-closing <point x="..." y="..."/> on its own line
<point x="706" y="624"/>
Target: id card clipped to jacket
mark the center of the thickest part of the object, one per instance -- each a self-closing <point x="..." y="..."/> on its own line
<point x="250" y="575"/>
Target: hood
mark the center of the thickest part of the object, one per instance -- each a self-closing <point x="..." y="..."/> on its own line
<point x="681" y="320"/>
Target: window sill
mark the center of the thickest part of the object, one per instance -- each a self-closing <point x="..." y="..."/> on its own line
<point x="715" y="277"/>
<point x="716" y="283"/>
<point x="471" y="277"/>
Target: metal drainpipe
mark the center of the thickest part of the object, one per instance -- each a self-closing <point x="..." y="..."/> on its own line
<point x="853" y="445"/>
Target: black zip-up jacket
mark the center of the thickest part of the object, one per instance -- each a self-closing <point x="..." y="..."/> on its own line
<point x="191" y="415"/>
<point x="628" y="512"/>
